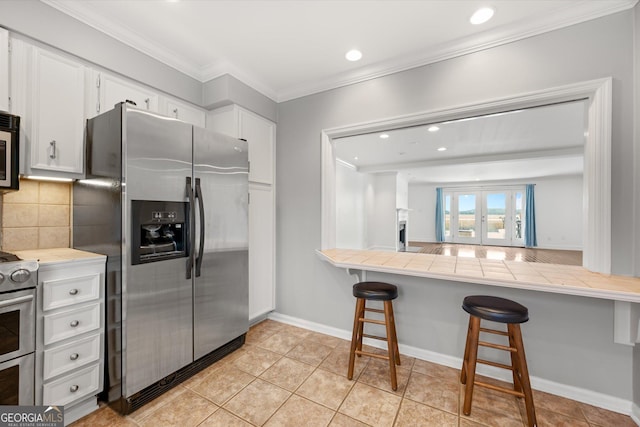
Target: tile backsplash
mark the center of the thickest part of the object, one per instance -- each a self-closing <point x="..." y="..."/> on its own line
<point x="38" y="216"/>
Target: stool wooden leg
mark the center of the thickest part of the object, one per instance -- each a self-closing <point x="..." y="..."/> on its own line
<point x="363" y="307"/>
<point x="517" y="385"/>
<point x="396" y="351"/>
<point x="388" y="321"/>
<point x="472" y="357"/>
<point x="465" y="359"/>
<point x="523" y="373"/>
<point x="356" y="336"/>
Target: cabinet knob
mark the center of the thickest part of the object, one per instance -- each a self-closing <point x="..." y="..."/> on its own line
<point x="73" y="292"/>
<point x="52" y="144"/>
<point x="146" y="101"/>
<point x="74" y="388"/>
<point x="74" y="323"/>
<point x="74" y="356"/>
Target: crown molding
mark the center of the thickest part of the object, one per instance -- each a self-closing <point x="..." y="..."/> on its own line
<point x="508" y="34"/>
<point x="561" y="18"/>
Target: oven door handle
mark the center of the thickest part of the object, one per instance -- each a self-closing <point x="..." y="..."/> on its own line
<point x="16" y="301"/>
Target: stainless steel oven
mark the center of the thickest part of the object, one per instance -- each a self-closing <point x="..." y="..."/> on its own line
<point x="18" y="280"/>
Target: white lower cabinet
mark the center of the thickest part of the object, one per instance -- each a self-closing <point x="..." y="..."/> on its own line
<point x="261" y="250"/>
<point x="70" y="335"/>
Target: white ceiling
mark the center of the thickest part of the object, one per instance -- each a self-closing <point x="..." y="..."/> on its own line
<point x="523" y="144"/>
<point x="291" y="48"/>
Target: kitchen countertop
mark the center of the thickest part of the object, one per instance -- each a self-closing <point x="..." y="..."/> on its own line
<point x="56" y="255"/>
<point x="554" y="278"/>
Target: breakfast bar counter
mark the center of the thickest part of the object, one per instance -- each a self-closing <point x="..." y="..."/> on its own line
<point x="554" y="278"/>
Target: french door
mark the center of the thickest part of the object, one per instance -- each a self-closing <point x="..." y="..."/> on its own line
<point x="487" y="217"/>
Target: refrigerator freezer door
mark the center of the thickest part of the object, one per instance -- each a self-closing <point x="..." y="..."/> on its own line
<point x="158" y="156"/>
<point x="221" y="289"/>
<point x="157" y="297"/>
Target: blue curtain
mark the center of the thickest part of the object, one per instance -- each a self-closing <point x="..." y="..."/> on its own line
<point x="439" y="215"/>
<point x="530" y="218"/>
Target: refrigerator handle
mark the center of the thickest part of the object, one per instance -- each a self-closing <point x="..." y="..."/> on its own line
<point x="192" y="220"/>
<point x="202" y="221"/>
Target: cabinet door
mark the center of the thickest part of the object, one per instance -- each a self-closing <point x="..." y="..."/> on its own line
<point x="261" y="250"/>
<point x="260" y="134"/>
<point x="4" y="70"/>
<point x="113" y="90"/>
<point x="186" y="113"/>
<point x="57" y="113"/>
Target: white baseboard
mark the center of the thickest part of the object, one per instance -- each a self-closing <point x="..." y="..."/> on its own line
<point x="600" y="400"/>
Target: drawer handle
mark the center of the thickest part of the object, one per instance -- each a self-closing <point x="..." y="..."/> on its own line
<point x="74" y="356"/>
<point x="74" y="323"/>
<point x="73" y="292"/>
<point x="74" y="388"/>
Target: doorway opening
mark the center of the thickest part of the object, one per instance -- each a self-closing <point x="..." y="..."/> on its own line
<point x="493" y="217"/>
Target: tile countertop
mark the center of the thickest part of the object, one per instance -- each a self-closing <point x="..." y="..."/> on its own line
<point x="554" y="278"/>
<point x="57" y="255"/>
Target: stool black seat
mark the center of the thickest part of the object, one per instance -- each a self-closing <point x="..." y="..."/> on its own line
<point x="378" y="291"/>
<point x="511" y="313"/>
<point x="375" y="291"/>
<point x="495" y="309"/>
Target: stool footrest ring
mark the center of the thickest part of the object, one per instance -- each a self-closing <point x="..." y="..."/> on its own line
<point x="375" y="337"/>
<point x="498" y="388"/>
<point x="497" y="346"/>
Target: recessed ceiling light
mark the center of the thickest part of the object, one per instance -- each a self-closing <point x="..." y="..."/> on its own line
<point x="442" y="149"/>
<point x="433" y="129"/>
<point x="481" y="16"/>
<point x="353" y="55"/>
<point x="355" y="158"/>
<point x="384" y="136"/>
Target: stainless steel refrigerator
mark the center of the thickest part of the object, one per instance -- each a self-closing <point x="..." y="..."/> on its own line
<point x="167" y="203"/>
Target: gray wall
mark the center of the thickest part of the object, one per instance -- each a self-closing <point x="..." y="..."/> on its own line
<point x="569" y="339"/>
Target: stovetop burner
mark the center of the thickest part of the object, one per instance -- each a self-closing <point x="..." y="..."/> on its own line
<point x="7" y="257"/>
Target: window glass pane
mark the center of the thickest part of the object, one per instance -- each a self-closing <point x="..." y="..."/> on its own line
<point x="467" y="215"/>
<point x="517" y="224"/>
<point x="495" y="215"/>
<point x="447" y="215"/>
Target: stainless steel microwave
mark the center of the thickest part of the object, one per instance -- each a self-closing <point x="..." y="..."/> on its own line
<point x="9" y="151"/>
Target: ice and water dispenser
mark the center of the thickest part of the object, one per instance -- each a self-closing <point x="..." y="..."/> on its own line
<point x="159" y="231"/>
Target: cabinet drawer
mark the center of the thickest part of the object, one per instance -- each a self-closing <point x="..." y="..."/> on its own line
<point x="73" y="290"/>
<point x="71" y="323"/>
<point x="66" y="357"/>
<point x="72" y="387"/>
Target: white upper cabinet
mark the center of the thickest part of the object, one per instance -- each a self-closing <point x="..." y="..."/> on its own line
<point x="259" y="132"/>
<point x="56" y="108"/>
<point x="4" y="69"/>
<point x="183" y="111"/>
<point x="110" y="90"/>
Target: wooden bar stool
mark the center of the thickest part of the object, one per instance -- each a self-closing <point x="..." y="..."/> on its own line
<point x="375" y="291"/>
<point x="499" y="310"/>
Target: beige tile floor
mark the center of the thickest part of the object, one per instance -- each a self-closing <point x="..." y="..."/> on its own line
<point x="287" y="376"/>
